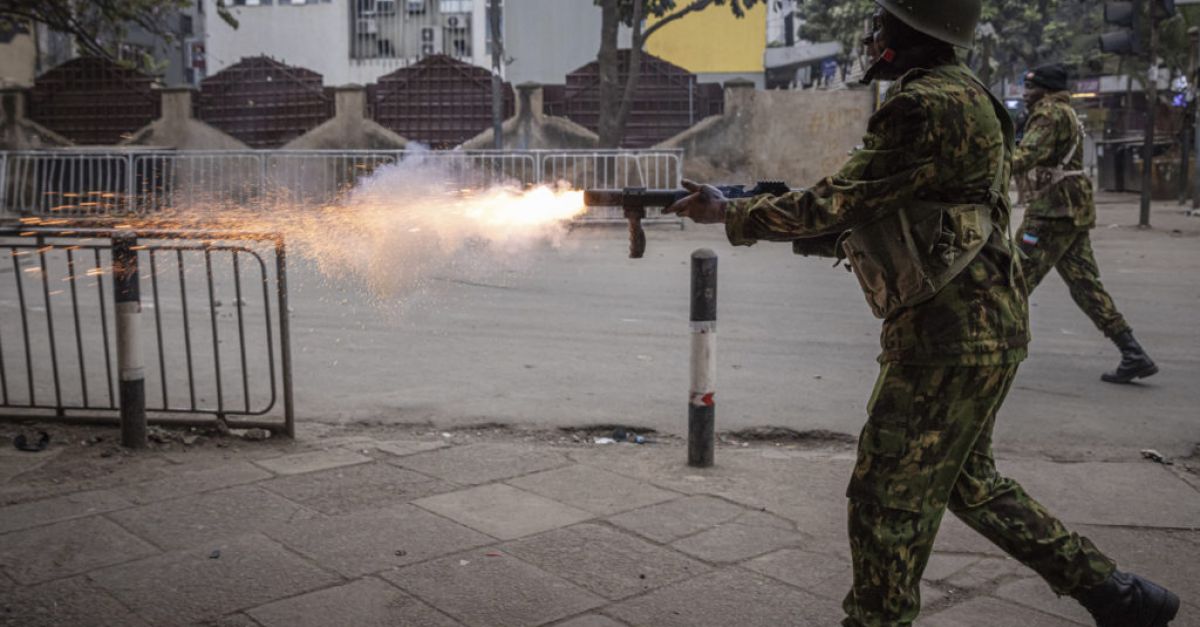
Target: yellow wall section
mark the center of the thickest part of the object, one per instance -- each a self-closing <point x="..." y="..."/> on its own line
<point x="713" y="40"/>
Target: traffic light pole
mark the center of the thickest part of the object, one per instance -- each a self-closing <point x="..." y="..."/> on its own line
<point x="1193" y="80"/>
<point x="1148" y="145"/>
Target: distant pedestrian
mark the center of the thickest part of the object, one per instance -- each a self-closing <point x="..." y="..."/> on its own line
<point x="1061" y="212"/>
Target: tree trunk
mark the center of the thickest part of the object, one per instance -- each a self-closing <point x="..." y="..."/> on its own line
<point x="635" y="69"/>
<point x="608" y="60"/>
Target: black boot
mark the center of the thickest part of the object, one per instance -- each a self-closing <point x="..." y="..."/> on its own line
<point x="1126" y="600"/>
<point x="1135" y="363"/>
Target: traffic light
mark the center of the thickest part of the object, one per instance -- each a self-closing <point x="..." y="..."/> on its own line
<point x="1163" y="9"/>
<point x="1128" y="15"/>
<point x="1124" y="41"/>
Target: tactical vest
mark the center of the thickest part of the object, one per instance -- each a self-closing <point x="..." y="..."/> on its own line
<point x="1040" y="181"/>
<point x="905" y="257"/>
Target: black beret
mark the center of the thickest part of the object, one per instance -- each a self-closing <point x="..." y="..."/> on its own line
<point x="1052" y="77"/>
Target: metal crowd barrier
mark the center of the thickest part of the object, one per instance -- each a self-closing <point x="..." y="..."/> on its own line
<point x="83" y="183"/>
<point x="218" y="345"/>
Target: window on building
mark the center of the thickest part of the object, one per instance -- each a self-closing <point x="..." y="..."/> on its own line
<point x="455" y="6"/>
<point x="185" y="25"/>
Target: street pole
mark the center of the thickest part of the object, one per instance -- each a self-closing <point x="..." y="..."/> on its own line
<point x="702" y="412"/>
<point x="1151" y="107"/>
<point x="493" y="15"/>
<point x="1188" y="132"/>
<point x="127" y="294"/>
<point x="1193" y="79"/>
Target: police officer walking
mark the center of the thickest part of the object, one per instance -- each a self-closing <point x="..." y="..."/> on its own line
<point x="921" y="215"/>
<point x="1060" y="213"/>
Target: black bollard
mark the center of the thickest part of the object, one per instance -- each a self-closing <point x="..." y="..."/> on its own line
<point x="702" y="406"/>
<point x="127" y="294"/>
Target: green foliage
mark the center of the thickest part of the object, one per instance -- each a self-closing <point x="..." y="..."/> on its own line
<point x="843" y="21"/>
<point x="98" y="26"/>
<point x="1014" y="35"/>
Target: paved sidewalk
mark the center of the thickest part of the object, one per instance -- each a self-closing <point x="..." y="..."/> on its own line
<point x="500" y="528"/>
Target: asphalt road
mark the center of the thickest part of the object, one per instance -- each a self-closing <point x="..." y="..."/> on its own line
<point x="577" y="334"/>
<point x="580" y="335"/>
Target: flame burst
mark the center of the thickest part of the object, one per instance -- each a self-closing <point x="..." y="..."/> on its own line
<point x="399" y="227"/>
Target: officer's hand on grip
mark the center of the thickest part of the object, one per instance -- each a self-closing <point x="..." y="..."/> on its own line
<point x="704" y="205"/>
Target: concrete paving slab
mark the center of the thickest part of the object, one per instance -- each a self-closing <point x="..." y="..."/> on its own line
<point x="942" y="565"/>
<point x="821" y="574"/>
<point x="592" y="489"/>
<point x="46" y="511"/>
<point x="401" y="448"/>
<point x="503" y="511"/>
<point x="76" y="602"/>
<point x="205" y="518"/>
<point x="357" y="487"/>
<point x="14" y="463"/>
<point x="367" y="602"/>
<point x="666" y="522"/>
<point x="232" y="620"/>
<point x="1035" y="593"/>
<point x="986" y="574"/>
<point x="371" y="541"/>
<point x="186" y="481"/>
<point x="748" y="535"/>
<point x="189" y="586"/>
<point x="1130" y="494"/>
<point x="312" y="461"/>
<point x="488" y="588"/>
<point x="954" y="536"/>
<point x="68" y="548"/>
<point x="727" y="597"/>
<point x="608" y="562"/>
<point x="590" y="620"/>
<point x="993" y="613"/>
<point x="758" y="478"/>
<point x="474" y="464"/>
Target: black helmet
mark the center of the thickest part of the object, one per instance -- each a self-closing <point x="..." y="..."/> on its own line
<point x="951" y="21"/>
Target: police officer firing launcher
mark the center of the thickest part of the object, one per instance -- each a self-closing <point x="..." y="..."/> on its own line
<point x="921" y="214"/>
<point x="1049" y="170"/>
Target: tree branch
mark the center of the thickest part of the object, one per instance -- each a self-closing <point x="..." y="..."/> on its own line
<point x="696" y="5"/>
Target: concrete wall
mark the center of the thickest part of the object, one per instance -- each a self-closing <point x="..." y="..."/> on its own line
<point x="18" y="132"/>
<point x="532" y="129"/>
<point x="796" y="136"/>
<point x="349" y="129"/>
<point x="176" y="128"/>
<point x="18" y="61"/>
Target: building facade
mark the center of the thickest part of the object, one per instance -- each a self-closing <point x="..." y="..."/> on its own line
<point x="349" y="41"/>
<point x="714" y="44"/>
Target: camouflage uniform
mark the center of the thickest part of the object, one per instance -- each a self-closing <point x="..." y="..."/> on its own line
<point x="947" y="363"/>
<point x="1059" y="216"/>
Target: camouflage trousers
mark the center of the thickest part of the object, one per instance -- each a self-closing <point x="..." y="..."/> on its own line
<point x="927" y="447"/>
<point x="1046" y="245"/>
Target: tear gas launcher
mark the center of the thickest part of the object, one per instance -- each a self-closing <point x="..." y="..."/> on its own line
<point x="636" y="200"/>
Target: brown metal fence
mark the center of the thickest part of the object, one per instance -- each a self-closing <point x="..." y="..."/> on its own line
<point x="440" y="101"/>
<point x="264" y="103"/>
<point x="91" y="100"/>
<point x="668" y="100"/>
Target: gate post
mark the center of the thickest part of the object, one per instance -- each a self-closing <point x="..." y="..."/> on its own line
<point x="702" y="415"/>
<point x="127" y="295"/>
